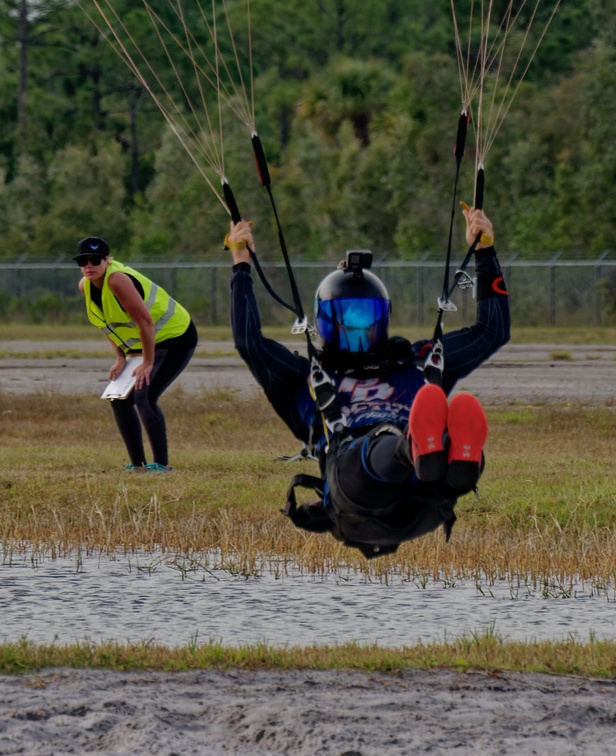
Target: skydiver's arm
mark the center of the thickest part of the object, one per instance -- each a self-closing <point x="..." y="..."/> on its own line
<point x="465" y="349"/>
<point x="277" y="369"/>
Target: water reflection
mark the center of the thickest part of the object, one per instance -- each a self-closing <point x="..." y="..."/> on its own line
<point x="141" y="598"/>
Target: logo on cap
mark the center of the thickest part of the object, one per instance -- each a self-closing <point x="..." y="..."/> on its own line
<point x="92" y="245"/>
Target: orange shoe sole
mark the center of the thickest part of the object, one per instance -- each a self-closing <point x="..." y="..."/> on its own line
<point x="427" y="423"/>
<point x="468" y="431"/>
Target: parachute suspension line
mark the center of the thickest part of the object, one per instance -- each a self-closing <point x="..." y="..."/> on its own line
<point x="166" y="104"/>
<point x="252" y="80"/>
<point x="301" y="323"/>
<point x="197" y="140"/>
<point x="463" y="62"/>
<point x="486" y="124"/>
<point x="443" y="302"/>
<point x="210" y="142"/>
<point x="190" y="48"/>
<point x="489" y="60"/>
<point x="226" y="187"/>
<point x="207" y="70"/>
<point x="505" y="105"/>
<point x="488" y="64"/>
<point x="247" y="114"/>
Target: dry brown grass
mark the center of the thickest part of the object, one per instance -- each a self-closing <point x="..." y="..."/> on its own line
<point x="546" y="516"/>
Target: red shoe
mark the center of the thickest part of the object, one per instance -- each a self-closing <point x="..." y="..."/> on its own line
<point x="427" y="423"/>
<point x="468" y="430"/>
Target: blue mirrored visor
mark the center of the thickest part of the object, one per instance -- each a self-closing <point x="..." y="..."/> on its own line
<point x="353" y="325"/>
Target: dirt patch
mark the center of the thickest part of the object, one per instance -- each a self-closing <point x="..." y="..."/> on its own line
<point x="305" y="713"/>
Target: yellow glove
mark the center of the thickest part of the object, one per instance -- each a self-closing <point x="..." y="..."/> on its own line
<point x="234" y="246"/>
<point x="487" y="240"/>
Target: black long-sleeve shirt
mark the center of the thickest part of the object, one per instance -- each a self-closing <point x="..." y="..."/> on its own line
<point x="365" y="399"/>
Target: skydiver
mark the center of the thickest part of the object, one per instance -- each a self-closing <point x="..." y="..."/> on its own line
<point x="403" y="453"/>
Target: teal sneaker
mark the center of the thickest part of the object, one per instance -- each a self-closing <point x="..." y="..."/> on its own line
<point x="156" y="467"/>
<point x="135" y="468"/>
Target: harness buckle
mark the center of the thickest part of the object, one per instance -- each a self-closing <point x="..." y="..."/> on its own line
<point x="303" y="454"/>
<point x="301" y="326"/>
<point x="446" y="305"/>
<point x="463" y="280"/>
<point x="434" y="364"/>
<point x="322" y="385"/>
<point x="325" y="394"/>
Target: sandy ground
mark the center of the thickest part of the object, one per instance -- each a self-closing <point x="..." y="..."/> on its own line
<point x="345" y="713"/>
<point x="269" y="712"/>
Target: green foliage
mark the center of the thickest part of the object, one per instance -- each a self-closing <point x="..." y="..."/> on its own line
<point x="86" y="198"/>
<point x="356" y="104"/>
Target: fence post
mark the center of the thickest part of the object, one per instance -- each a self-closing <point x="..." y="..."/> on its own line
<point x="508" y="269"/>
<point x="598" y="313"/>
<point x="553" y="288"/>
<point x="214" y="295"/>
<point x="421" y="305"/>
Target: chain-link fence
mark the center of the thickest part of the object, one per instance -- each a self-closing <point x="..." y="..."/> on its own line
<point x="543" y="293"/>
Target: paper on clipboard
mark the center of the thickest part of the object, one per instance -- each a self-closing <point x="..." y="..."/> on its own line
<point x="121" y="386"/>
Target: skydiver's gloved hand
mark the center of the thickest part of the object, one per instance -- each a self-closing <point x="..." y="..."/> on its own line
<point x="488" y="274"/>
<point x="477" y="222"/>
<point x="239" y="239"/>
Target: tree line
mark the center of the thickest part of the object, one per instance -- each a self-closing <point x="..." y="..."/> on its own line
<point x="357" y="106"/>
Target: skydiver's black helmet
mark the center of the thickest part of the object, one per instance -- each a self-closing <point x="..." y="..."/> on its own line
<point x="351" y="310"/>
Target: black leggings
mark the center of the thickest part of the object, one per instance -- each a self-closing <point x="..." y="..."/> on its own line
<point x="141" y="406"/>
<point x="370" y="473"/>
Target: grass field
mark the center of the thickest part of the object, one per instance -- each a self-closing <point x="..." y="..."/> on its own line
<point x="545" y="519"/>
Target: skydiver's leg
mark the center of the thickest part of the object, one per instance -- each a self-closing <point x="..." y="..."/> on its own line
<point x="467" y="428"/>
<point x="442" y="453"/>
<point x="366" y="469"/>
<point x="446" y="442"/>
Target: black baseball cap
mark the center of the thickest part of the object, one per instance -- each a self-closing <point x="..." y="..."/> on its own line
<point x="91" y="246"/>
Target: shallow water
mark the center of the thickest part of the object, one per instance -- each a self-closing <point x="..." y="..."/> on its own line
<point x="139" y="598"/>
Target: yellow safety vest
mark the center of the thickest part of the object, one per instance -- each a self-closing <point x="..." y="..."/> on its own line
<point x="170" y="318"/>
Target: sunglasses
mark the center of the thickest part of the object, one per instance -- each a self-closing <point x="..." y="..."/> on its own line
<point x="83" y="261"/>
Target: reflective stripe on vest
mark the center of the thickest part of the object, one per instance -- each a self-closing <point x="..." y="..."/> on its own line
<point x="170" y="318"/>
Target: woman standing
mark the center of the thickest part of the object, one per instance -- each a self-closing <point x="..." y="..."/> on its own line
<point x="138" y="317"/>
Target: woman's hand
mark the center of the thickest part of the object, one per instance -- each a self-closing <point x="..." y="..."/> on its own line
<point x="130" y="299"/>
<point x="117" y="367"/>
<point x="142" y="374"/>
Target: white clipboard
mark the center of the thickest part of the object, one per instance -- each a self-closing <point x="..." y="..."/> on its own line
<point x="121" y="386"/>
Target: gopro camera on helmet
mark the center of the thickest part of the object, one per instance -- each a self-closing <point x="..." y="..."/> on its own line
<point x="352" y="312"/>
<point x="357" y="260"/>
